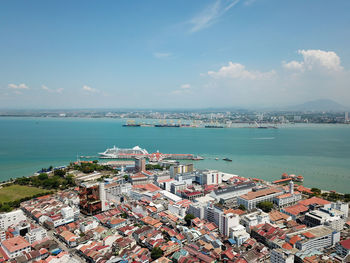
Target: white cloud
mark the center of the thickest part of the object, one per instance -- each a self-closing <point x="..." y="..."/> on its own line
<point x="18" y="87"/>
<point x="185" y="86"/>
<point x="44" y="87"/>
<point x="183" y="89"/>
<point x="161" y="55"/>
<point x="316" y="60"/>
<point x="210" y="14"/>
<point x="89" y="89"/>
<point x="294" y="65"/>
<point x="238" y="71"/>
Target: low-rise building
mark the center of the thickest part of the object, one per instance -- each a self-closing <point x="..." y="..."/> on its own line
<point x="281" y="256"/>
<point x="36" y="234"/>
<point x="228" y="195"/>
<point x="343" y="248"/>
<point x="255" y="218"/>
<point x="15" y="246"/>
<point x="251" y="199"/>
<point x="324" y="217"/>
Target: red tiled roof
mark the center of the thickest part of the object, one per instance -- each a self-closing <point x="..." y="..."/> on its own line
<point x="287" y="246"/>
<point x="345" y="243"/>
<point x="296" y="209"/>
<point x="314" y="200"/>
<point x="15" y="243"/>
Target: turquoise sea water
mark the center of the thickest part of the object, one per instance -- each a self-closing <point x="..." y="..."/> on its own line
<point x="321" y="153"/>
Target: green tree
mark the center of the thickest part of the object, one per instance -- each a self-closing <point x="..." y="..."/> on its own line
<point x="59" y="172"/>
<point x="316" y="191"/>
<point x="188" y="218"/>
<point x="156" y="253"/>
<point x="242" y="207"/>
<point x="43" y="176"/>
<point x="266" y="206"/>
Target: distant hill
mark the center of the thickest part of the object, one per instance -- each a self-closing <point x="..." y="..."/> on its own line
<point x="319" y="105"/>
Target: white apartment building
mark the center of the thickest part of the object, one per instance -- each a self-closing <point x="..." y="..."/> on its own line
<point x="281" y="256"/>
<point x="36" y="234"/>
<point x="88" y="225"/>
<point x="255" y="218"/>
<point x="197" y="209"/>
<point x="227" y="222"/>
<point x="239" y="234"/>
<point x="315" y="238"/>
<point x="11" y="218"/>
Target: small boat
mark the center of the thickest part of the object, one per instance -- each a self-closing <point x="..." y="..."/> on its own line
<point x="227" y="160"/>
<point x="216" y="158"/>
<point x="197" y="158"/>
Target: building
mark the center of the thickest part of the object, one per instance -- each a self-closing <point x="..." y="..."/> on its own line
<point x="343" y="248"/>
<point x="197" y="209"/>
<point x="255" y="218"/>
<point x="313" y="238"/>
<point x="229" y="194"/>
<point x="11" y="218"/>
<point x="209" y="177"/>
<point x="15" y="246"/>
<point x="180" y="169"/>
<point x="289" y="198"/>
<point x="227" y="222"/>
<point x="281" y="256"/>
<point x="140" y="164"/>
<point x="239" y="234"/>
<point x="177" y="187"/>
<point x="295" y="211"/>
<point x="340" y="206"/>
<point x="325" y="217"/>
<point x="90" y="202"/>
<point x="251" y="199"/>
<point x="36" y="234"/>
<point x="139" y="178"/>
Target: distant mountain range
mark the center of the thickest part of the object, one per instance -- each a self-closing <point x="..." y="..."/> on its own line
<point x="319" y="105"/>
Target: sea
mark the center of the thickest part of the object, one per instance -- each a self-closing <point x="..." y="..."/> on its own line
<point x="319" y="152"/>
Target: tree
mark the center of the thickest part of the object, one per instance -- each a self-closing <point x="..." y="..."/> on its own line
<point x="43" y="176"/>
<point x="156" y="253"/>
<point x="266" y="206"/>
<point x="59" y="172"/>
<point x="242" y="207"/>
<point x="188" y="218"/>
<point x="316" y="191"/>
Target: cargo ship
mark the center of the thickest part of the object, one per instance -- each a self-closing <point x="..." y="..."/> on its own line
<point x="213" y="126"/>
<point x="167" y="125"/>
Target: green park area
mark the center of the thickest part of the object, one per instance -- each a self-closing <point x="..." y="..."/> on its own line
<point x="16" y="192"/>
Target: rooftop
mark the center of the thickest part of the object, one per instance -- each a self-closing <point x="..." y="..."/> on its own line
<point x="15" y="243"/>
<point x="253" y="195"/>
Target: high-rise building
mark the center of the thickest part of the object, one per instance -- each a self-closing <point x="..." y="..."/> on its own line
<point x="228" y="221"/>
<point x="346" y="116"/>
<point x="140" y="164"/>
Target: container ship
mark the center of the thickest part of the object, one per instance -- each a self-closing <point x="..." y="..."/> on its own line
<point x="295" y="178"/>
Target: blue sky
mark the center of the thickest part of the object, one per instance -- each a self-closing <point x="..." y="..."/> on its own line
<point x="198" y="53"/>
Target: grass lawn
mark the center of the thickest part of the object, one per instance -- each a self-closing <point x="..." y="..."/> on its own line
<point x="15" y="192"/>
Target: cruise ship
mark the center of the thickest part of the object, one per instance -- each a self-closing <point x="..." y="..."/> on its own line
<point x="116" y="153"/>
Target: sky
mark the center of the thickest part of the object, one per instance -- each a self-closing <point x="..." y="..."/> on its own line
<point x="173" y="54"/>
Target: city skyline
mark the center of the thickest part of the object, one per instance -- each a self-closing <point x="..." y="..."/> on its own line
<point x="196" y="54"/>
